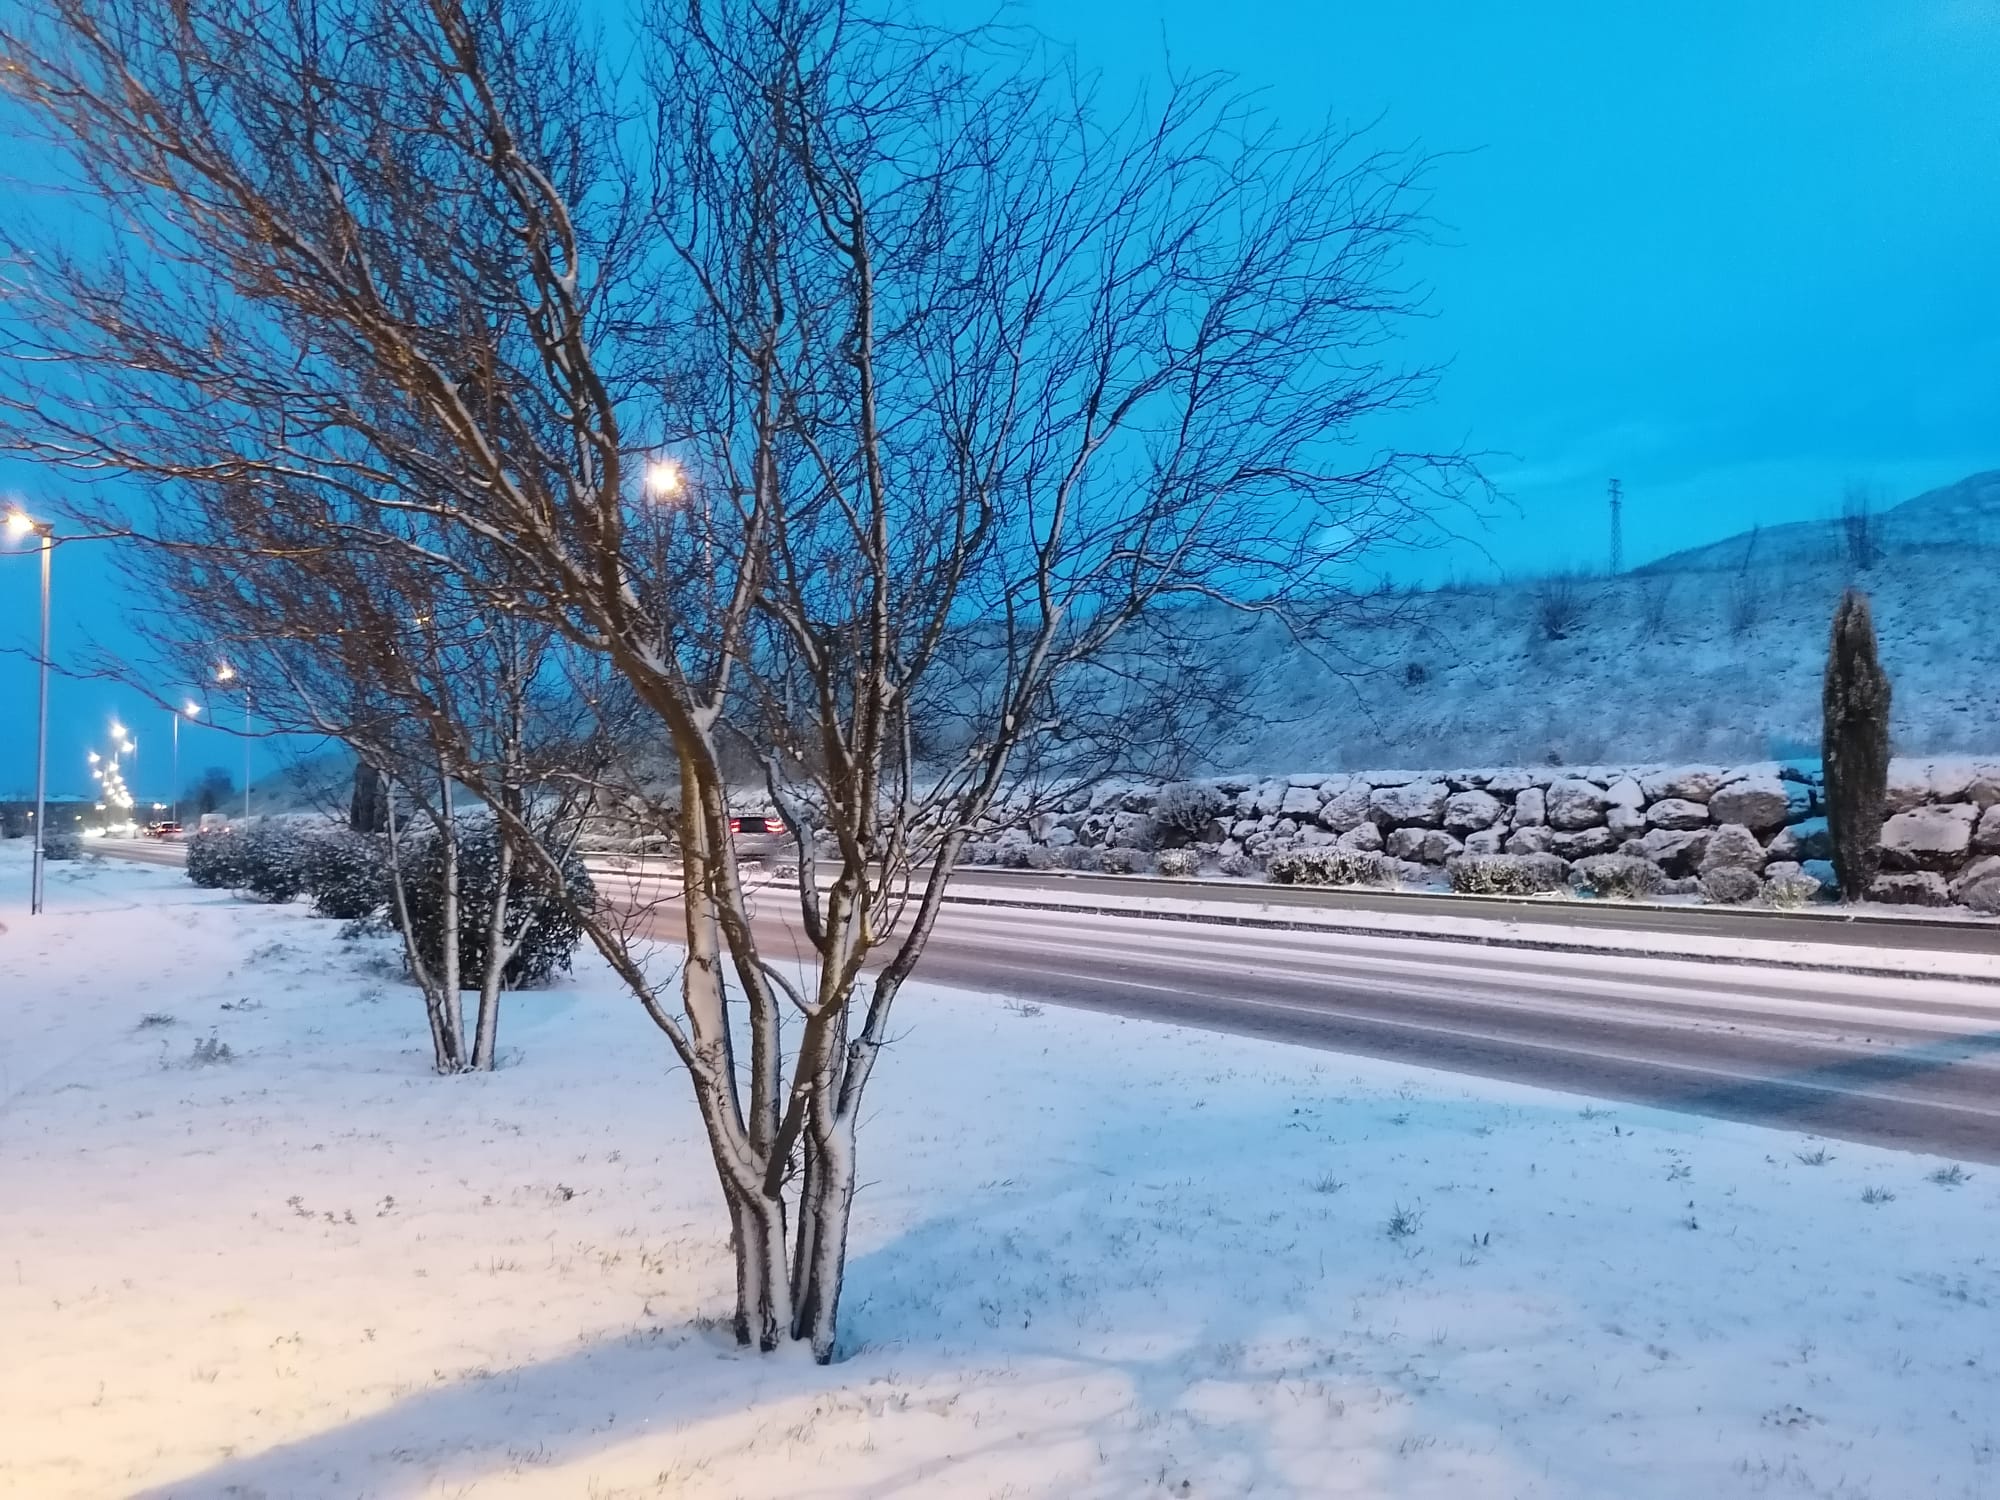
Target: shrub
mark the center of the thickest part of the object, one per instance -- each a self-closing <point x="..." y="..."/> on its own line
<point x="1178" y="863"/>
<point x="1506" y="874"/>
<point x="1559" y="607"/>
<point x="1854" y="742"/>
<point x="1621" y="877"/>
<point x="62" y="844"/>
<point x="345" y="875"/>
<point x="1125" y="861"/>
<point x="1730" y="884"/>
<point x="981" y="854"/>
<point x="1790" y="889"/>
<point x="271" y="862"/>
<point x="215" y="859"/>
<point x="542" y="915"/>
<point x="1330" y="866"/>
<point x="1188" y="807"/>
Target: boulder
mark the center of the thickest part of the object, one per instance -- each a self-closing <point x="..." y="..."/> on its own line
<point x="1242" y="828"/>
<point x="1363" y="838"/>
<point x="1625" y="792"/>
<point x="1929" y="838"/>
<point x="1466" y="812"/>
<point x="1624" y="821"/>
<point x="1985" y="787"/>
<point x="1808" y="840"/>
<point x="1427" y="846"/>
<point x="1683" y="783"/>
<point x="1916" y="888"/>
<point x="1301" y="800"/>
<point x="1730" y="884"/>
<point x="1388" y="778"/>
<point x="1582" y="843"/>
<point x="1978" y="886"/>
<point x="1575" y="804"/>
<point x="1313" y="779"/>
<point x="1760" y="804"/>
<point x="1677" y="851"/>
<point x="1986" y="833"/>
<point x="1268" y="797"/>
<point x="1415" y="803"/>
<point x="1909" y="786"/>
<point x="1345" y="809"/>
<point x="1677" y="812"/>
<point x="1532" y="840"/>
<point x="1508" y="782"/>
<point x="1733" y="847"/>
<point x="1132" y="830"/>
<point x="1531" y="808"/>
<point x="1484" y="841"/>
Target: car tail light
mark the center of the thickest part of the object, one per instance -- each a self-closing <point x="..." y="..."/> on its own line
<point x="774" y="825"/>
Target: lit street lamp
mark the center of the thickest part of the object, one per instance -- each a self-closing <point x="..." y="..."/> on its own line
<point x="226" y="673"/>
<point x="19" y="524"/>
<point x="187" y="711"/>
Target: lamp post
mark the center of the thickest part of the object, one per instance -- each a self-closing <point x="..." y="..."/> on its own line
<point x="227" y="673"/>
<point x="20" y="524"/>
<point x="187" y="711"/>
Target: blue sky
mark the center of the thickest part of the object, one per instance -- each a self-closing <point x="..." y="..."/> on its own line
<point x="1736" y="254"/>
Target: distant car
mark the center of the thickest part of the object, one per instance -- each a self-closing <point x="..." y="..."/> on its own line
<point x="165" y="830"/>
<point x="759" y="835"/>
<point x="214" y="820"/>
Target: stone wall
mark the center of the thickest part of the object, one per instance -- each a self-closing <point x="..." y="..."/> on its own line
<point x="1741" y="833"/>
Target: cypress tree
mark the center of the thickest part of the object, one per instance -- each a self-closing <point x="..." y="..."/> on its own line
<point x="1854" y="745"/>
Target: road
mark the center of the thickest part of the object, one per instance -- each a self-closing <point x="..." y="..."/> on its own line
<point x="1906" y="1063"/>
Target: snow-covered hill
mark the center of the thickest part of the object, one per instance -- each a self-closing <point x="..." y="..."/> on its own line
<point x="1711" y="654"/>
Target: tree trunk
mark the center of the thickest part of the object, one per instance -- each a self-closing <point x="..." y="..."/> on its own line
<point x="498" y="952"/>
<point x="826" y="1265"/>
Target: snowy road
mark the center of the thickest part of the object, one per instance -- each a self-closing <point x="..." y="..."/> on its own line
<point x="1901" y="1062"/>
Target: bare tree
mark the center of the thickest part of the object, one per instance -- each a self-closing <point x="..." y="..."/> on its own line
<point x="985" y="402"/>
<point x="1857" y="526"/>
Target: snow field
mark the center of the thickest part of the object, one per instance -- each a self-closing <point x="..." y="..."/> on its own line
<point x="1093" y="1258"/>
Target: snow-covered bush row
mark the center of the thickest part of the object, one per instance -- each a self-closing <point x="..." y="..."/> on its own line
<point x="1731" y="834"/>
<point x="346" y="874"/>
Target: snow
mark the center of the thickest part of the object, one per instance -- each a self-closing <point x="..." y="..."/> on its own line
<point x="1095" y="1257"/>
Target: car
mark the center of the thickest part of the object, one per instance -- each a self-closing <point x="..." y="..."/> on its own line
<point x="165" y="830"/>
<point x="758" y="835"/>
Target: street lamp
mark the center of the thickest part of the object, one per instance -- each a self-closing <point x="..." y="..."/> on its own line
<point x="225" y="674"/>
<point x="187" y="711"/>
<point x="20" y="524"/>
<point x="666" y="480"/>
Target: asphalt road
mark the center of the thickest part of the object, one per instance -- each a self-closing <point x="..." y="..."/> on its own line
<point x="1907" y="1063"/>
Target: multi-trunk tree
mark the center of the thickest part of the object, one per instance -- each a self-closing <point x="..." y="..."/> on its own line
<point x="871" y="405"/>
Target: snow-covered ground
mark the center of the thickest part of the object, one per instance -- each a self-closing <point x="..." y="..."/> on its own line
<point x="1094" y="1258"/>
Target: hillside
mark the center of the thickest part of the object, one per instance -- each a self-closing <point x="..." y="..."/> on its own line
<point x="1711" y="654"/>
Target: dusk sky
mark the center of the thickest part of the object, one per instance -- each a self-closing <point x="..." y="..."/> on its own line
<point x="1735" y="254"/>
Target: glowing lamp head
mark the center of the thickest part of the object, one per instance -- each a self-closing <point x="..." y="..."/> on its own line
<point x="664" y="479"/>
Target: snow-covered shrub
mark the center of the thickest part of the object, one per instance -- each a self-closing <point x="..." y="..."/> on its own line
<point x="215" y="859"/>
<point x="1730" y="884"/>
<point x="1188" y="807"/>
<point x="62" y="844"/>
<point x="542" y="915"/>
<point x="1082" y="858"/>
<point x="345" y="874"/>
<point x="1790" y="889"/>
<point x="1330" y="866"/>
<point x="271" y="862"/>
<point x="1179" y="863"/>
<point x="1506" y="874"/>
<point x="1117" y="861"/>
<point x="981" y="854"/>
<point x="1621" y="877"/>
<point x="1014" y="856"/>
